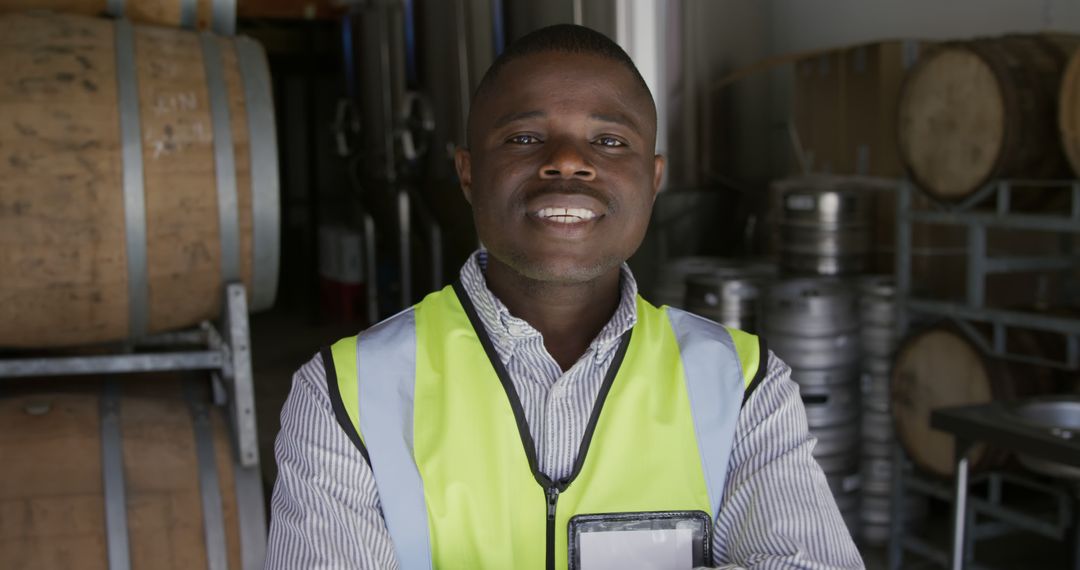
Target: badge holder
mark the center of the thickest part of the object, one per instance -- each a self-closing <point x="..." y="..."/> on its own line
<point x="667" y="540"/>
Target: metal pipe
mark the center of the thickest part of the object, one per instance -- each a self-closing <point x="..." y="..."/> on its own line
<point x="372" y="267"/>
<point x="178" y="338"/>
<point x="896" y="522"/>
<point x="976" y="266"/>
<point x="1024" y="264"/>
<point x="903" y="254"/>
<point x="118" y="364"/>
<point x="926" y="550"/>
<point x="1003" y="198"/>
<point x="960" y="504"/>
<point x="1076" y="201"/>
<point x="112" y="477"/>
<point x="387" y="81"/>
<point x="464" y="87"/>
<point x="1035" y="222"/>
<point x="405" y="245"/>
<point x="433" y="232"/>
<point x="1009" y="318"/>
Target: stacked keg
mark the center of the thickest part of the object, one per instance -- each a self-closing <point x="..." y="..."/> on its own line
<point x="730" y="295"/>
<point x="877" y="319"/>
<point x="812" y="324"/>
<point x="671" y="289"/>
<point x="824" y="228"/>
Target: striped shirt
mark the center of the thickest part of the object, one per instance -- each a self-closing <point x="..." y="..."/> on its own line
<point x="777" y="510"/>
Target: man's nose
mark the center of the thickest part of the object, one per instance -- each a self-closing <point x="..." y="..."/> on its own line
<point x="566" y="161"/>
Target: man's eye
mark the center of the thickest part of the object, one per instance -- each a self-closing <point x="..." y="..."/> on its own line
<point x="523" y="139"/>
<point x="609" y="141"/>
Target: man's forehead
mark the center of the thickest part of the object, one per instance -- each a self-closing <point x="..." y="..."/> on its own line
<point x="565" y="67"/>
<point x="575" y="81"/>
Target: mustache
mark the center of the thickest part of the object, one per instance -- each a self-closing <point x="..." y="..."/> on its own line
<point x="570" y="188"/>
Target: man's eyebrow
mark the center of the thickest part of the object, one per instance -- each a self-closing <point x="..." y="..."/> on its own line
<point x="519" y="116"/>
<point x="618" y="119"/>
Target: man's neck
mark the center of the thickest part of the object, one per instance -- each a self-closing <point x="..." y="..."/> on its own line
<point x="569" y="316"/>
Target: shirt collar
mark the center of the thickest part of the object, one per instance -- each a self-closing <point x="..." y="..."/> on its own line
<point x="507" y="332"/>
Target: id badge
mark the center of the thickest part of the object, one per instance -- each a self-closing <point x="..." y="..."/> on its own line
<point x="672" y="540"/>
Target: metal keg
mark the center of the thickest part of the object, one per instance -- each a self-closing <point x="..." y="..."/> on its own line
<point x="815" y="378"/>
<point x="872" y="448"/>
<point x="729" y="296"/>
<point x="824" y="230"/>
<point x="811" y="306"/>
<point x="875" y="514"/>
<point x="877" y="366"/>
<point x="877" y="475"/>
<point x="811" y="323"/>
<point x="836" y="350"/>
<point x="846" y="492"/>
<point x="877" y="316"/>
<point x="845" y="482"/>
<point x="874" y="534"/>
<point x="830" y="405"/>
<point x="672" y="287"/>
<point x="836" y="440"/>
<point x="875" y="392"/>
<point x="838" y="464"/>
<point x="877" y="426"/>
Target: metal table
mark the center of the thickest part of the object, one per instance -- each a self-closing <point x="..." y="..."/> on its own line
<point x="997" y="424"/>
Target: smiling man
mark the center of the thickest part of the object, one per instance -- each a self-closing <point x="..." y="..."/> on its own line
<point x="539" y="413"/>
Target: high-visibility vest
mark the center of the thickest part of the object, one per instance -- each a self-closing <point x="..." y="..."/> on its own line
<point x="425" y="398"/>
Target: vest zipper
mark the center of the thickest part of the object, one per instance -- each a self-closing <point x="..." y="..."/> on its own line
<point x="552" y="489"/>
<point x="552" y="501"/>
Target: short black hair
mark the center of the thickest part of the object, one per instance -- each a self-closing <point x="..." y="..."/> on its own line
<point x="566" y="38"/>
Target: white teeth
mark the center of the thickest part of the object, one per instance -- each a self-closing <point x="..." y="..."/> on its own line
<point x="566" y="215"/>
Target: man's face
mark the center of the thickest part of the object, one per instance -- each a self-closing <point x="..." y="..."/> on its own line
<point x="561" y="171"/>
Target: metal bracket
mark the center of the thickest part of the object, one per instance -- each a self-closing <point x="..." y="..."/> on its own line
<point x="242" y="403"/>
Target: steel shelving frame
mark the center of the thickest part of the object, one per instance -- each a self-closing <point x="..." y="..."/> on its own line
<point x="980" y="264"/>
<point x="223" y="350"/>
<point x="989" y="209"/>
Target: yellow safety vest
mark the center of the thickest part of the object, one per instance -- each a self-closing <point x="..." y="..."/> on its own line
<point x="427" y="401"/>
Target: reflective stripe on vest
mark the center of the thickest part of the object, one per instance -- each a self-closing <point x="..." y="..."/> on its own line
<point x="455" y="465"/>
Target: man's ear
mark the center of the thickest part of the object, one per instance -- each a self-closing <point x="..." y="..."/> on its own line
<point x="658" y="173"/>
<point x="463" y="164"/>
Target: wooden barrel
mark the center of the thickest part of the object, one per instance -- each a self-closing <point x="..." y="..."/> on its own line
<point x="941" y="367"/>
<point x="138" y="173"/>
<point x="52" y="487"/>
<point x="1069" y="112"/>
<point x="216" y="15"/>
<point x="971" y="112"/>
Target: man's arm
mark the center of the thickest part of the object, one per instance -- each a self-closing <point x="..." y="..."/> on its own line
<point x="777" y="508"/>
<point x="325" y="508"/>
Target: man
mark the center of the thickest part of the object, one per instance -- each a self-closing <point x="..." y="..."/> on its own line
<point x="539" y="413"/>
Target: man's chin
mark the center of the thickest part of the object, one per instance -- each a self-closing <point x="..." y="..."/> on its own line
<point x="561" y="270"/>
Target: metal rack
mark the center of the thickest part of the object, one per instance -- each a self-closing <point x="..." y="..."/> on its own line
<point x="981" y="264"/>
<point x="986" y="517"/>
<point x="225" y="352"/>
<point x="989" y="209"/>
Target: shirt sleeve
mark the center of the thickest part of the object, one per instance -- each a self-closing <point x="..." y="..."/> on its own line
<point x="324" y="512"/>
<point x="777" y="509"/>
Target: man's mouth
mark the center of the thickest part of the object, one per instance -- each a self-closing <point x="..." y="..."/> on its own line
<point x="566" y="215"/>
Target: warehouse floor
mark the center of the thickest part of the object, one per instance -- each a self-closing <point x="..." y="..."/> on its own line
<point x="285" y="339"/>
